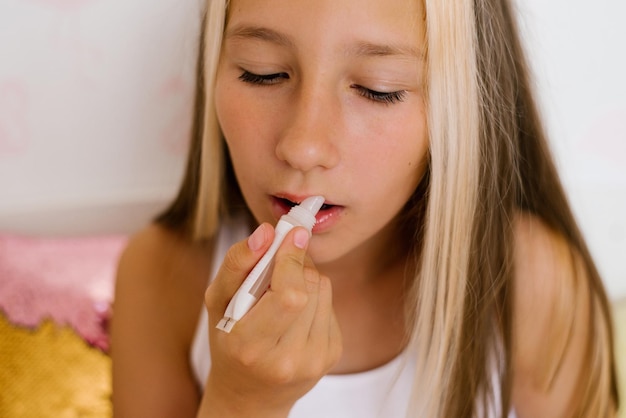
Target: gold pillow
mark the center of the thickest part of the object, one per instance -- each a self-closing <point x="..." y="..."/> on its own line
<point x="51" y="372"/>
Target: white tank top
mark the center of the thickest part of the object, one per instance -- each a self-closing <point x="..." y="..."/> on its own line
<point x="383" y="392"/>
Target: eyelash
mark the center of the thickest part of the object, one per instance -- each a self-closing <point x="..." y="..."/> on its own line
<point x="373" y="95"/>
<point x="262" y="79"/>
<point x="379" y="96"/>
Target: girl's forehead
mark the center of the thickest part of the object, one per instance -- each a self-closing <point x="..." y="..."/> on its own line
<point x="306" y="6"/>
<point x="324" y="12"/>
<point x="398" y="22"/>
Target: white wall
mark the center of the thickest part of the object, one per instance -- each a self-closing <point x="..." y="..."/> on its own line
<point x="95" y="109"/>
<point x="95" y="100"/>
<point x="578" y="50"/>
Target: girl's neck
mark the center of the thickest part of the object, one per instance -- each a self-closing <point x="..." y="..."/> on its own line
<point x="369" y="286"/>
<point x="371" y="317"/>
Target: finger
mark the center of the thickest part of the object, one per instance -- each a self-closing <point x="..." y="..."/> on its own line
<point x="335" y="341"/>
<point x="315" y="332"/>
<point x="287" y="296"/>
<point x="301" y="334"/>
<point x="238" y="262"/>
<point x="321" y="322"/>
<point x="290" y="261"/>
<point x="323" y="343"/>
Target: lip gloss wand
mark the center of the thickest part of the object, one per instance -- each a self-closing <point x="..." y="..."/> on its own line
<point x="258" y="280"/>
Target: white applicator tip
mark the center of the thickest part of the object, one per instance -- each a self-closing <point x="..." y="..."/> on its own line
<point x="312" y="204"/>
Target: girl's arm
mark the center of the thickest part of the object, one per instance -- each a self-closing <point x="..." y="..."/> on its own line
<point x="552" y="326"/>
<point x="159" y="292"/>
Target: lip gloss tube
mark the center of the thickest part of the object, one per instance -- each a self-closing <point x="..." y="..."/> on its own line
<point x="258" y="280"/>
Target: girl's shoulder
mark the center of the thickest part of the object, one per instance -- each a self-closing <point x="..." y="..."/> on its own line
<point x="162" y="272"/>
<point x="546" y="264"/>
<point x="551" y="319"/>
<point x="159" y="295"/>
<point x="164" y="257"/>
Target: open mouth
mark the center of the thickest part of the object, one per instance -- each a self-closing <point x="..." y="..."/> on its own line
<point x="290" y="204"/>
<point x="326" y="218"/>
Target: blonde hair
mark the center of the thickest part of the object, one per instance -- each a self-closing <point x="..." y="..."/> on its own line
<point x="211" y="187"/>
<point x="452" y="199"/>
<point x="488" y="159"/>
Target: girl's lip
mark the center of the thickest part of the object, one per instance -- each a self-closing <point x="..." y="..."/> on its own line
<point x="326" y="217"/>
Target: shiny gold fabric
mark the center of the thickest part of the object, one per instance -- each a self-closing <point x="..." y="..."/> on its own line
<point x="51" y="372"/>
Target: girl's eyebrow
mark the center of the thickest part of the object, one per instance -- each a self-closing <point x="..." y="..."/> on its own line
<point x="361" y="49"/>
<point x="370" y="49"/>
<point x="258" y="32"/>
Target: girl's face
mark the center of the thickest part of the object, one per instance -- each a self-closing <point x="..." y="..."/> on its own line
<point x="326" y="97"/>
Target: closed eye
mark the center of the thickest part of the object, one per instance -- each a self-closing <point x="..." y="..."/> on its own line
<point x="379" y="96"/>
<point x="263" y="79"/>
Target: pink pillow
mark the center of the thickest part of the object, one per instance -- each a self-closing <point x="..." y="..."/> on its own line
<point x="68" y="280"/>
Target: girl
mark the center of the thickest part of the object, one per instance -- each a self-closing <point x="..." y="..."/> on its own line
<point x="445" y="276"/>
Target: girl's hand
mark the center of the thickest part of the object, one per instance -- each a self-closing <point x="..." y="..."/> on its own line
<point x="280" y="349"/>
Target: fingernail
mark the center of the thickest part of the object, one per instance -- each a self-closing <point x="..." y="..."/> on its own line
<point x="301" y="238"/>
<point x="256" y="240"/>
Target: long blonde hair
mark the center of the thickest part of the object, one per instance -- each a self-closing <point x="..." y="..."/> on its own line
<point x="488" y="159"/>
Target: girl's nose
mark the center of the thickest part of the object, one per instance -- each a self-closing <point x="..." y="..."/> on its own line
<point x="310" y="136"/>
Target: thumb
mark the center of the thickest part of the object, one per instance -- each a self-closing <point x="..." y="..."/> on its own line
<point x="291" y="261"/>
